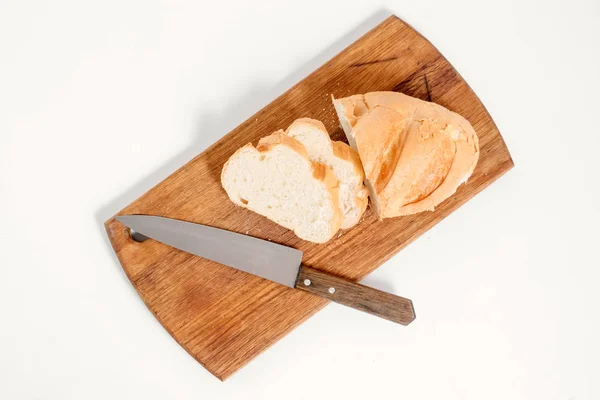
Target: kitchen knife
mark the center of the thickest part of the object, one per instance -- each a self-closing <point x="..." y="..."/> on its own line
<point x="270" y="261"/>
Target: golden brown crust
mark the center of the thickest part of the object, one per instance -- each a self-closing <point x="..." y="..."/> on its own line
<point x="233" y="156"/>
<point x="279" y="137"/>
<point x="342" y="151"/>
<point x="345" y="152"/>
<point x="319" y="171"/>
<point x="307" y="121"/>
<point x="325" y="174"/>
<point x="415" y="154"/>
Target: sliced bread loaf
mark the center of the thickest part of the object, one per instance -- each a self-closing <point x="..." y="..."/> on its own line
<point x="343" y="160"/>
<point x="277" y="179"/>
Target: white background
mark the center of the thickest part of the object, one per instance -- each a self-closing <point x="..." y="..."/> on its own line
<point x="99" y="101"/>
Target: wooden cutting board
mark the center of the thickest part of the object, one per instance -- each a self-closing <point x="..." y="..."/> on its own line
<point x="223" y="317"/>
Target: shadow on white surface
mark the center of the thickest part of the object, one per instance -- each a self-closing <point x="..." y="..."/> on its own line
<point x="212" y="127"/>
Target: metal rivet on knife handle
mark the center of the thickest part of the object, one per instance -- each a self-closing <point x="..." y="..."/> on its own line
<point x="355" y="295"/>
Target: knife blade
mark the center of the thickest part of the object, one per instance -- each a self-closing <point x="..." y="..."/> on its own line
<point x="268" y="260"/>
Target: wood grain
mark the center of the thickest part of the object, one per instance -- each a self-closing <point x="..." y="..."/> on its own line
<point x="223" y="317"/>
<point x="360" y="297"/>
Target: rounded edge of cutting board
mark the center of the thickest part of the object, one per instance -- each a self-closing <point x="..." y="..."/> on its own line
<point x="224" y="318"/>
<point x="110" y="227"/>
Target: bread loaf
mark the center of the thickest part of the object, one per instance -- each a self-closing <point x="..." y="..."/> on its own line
<point x="414" y="153"/>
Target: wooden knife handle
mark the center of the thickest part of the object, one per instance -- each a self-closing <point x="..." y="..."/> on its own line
<point x="357" y="296"/>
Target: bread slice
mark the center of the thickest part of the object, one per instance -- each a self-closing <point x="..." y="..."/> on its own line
<point x="342" y="159"/>
<point x="277" y="179"/>
<point x="414" y="153"/>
